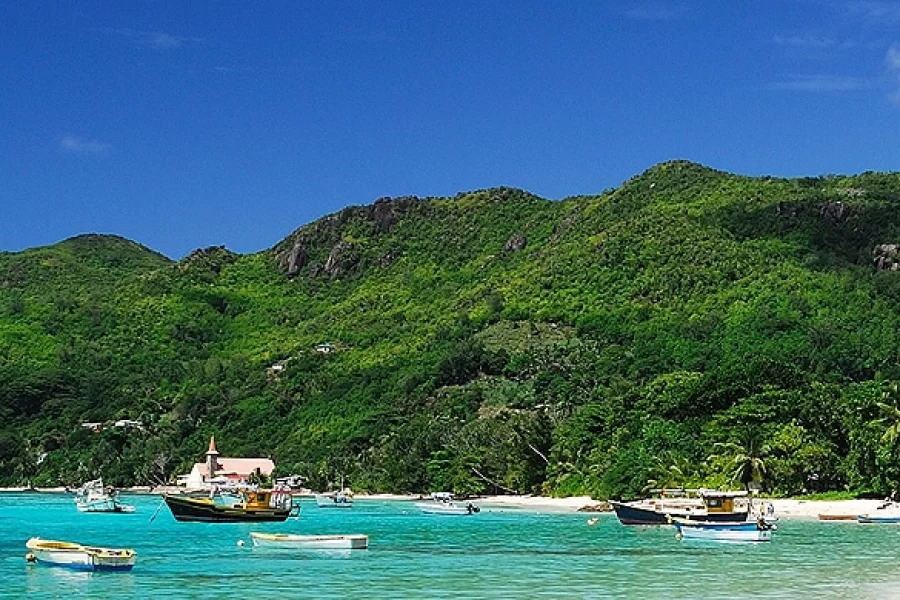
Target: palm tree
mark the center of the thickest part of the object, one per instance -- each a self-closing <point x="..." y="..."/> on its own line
<point x="746" y="458"/>
<point x="671" y="473"/>
<point x="890" y="409"/>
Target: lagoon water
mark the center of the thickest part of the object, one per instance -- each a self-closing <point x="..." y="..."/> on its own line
<point x="494" y="554"/>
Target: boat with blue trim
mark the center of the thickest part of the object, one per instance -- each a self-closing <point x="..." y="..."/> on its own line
<point x="886" y="518"/>
<point x="73" y="555"/>
<point x="735" y="531"/>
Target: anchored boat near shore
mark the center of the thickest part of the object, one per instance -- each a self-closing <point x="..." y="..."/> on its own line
<point x="310" y="542"/>
<point x="739" y="531"/>
<point x="244" y="506"/>
<point x="697" y="505"/>
<point x="342" y="499"/>
<point x="78" y="556"/>
<point x="442" y="503"/>
<point x="93" y="496"/>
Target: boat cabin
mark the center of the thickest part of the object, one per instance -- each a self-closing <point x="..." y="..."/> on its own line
<point x="720" y="502"/>
<point x="258" y="499"/>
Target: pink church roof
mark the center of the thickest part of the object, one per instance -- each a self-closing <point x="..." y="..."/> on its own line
<point x="238" y="466"/>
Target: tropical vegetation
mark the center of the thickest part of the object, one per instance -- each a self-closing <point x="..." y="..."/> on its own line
<point x="690" y="327"/>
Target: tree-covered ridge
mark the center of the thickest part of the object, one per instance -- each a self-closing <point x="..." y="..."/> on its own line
<point x="688" y="327"/>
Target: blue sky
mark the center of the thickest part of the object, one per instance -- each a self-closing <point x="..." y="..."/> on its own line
<point x="188" y="124"/>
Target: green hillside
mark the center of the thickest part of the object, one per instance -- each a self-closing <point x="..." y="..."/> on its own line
<point x="690" y="327"/>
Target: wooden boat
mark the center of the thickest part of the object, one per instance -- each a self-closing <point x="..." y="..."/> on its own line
<point x="77" y="556"/>
<point x="707" y="505"/>
<point x="250" y="505"/>
<point x="825" y="517"/>
<point x="310" y="542"/>
<point x="334" y="500"/>
<point x="442" y="503"/>
<point x="93" y="496"/>
<point x="735" y="531"/>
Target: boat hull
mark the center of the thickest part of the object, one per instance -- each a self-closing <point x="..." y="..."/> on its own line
<point x="104" y="506"/>
<point x="323" y="501"/>
<point x="878" y="519"/>
<point x="200" y="510"/>
<point x="724" y="532"/>
<point x="445" y="508"/>
<point x="629" y="514"/>
<point x="310" y="542"/>
<point x="83" y="558"/>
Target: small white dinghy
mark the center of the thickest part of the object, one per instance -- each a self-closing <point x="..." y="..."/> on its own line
<point x="724" y="531"/>
<point x="310" y="542"/>
<point x="78" y="556"/>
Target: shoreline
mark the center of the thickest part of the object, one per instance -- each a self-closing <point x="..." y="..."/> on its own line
<point x="784" y="507"/>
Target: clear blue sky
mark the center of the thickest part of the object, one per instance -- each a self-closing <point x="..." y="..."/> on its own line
<point x="188" y="124"/>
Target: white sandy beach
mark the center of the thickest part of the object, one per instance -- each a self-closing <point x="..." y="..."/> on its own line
<point x="784" y="508"/>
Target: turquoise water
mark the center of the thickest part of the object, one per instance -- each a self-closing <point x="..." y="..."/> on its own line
<point x="494" y="554"/>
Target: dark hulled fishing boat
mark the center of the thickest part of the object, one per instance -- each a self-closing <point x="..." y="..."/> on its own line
<point x="251" y="506"/>
<point x="708" y="505"/>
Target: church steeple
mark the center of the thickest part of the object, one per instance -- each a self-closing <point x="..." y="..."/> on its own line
<point x="211" y="454"/>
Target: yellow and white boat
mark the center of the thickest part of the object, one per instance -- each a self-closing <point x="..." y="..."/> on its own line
<point x="78" y="556"/>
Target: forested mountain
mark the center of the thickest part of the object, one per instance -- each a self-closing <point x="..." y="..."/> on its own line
<point x="683" y="328"/>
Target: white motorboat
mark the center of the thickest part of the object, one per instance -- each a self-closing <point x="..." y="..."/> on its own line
<point x="93" y="496"/>
<point x="335" y="500"/>
<point x="724" y="531"/>
<point x="442" y="503"/>
<point x="78" y="556"/>
<point x="310" y="542"/>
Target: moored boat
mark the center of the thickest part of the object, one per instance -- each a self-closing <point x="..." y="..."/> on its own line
<point x="335" y="500"/>
<point x="736" y="531"/>
<point x="78" y="556"/>
<point x="93" y="496"/>
<point x="827" y="517"/>
<point x="442" y="503"/>
<point x="885" y="518"/>
<point x="310" y="542"/>
<point x="706" y="505"/>
<point x="246" y="506"/>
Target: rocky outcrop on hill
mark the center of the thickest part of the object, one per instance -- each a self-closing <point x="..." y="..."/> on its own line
<point x="342" y="260"/>
<point x="299" y="249"/>
<point x="835" y="212"/>
<point x="886" y="257"/>
<point x="294" y="260"/>
<point x="516" y="243"/>
<point x="211" y="258"/>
